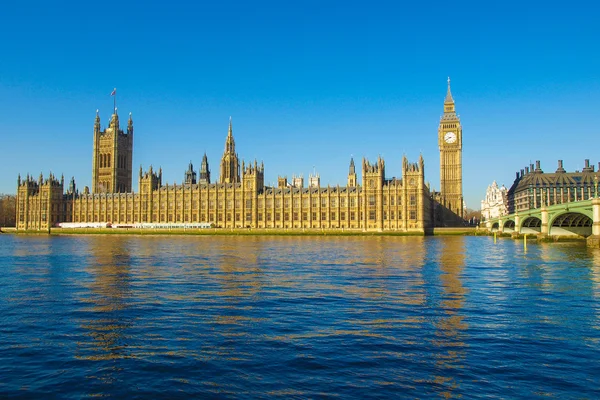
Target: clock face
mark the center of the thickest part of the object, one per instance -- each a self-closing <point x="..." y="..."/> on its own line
<point x="450" y="137"/>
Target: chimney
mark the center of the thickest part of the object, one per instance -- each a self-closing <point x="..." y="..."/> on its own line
<point x="560" y="166"/>
<point x="587" y="162"/>
<point x="527" y="170"/>
<point x="522" y="173"/>
<point x="537" y="166"/>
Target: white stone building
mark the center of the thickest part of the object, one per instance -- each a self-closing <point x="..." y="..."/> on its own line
<point x="495" y="203"/>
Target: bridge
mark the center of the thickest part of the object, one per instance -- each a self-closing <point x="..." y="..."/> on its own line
<point x="578" y="219"/>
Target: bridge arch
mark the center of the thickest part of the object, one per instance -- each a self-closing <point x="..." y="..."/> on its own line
<point x="570" y="223"/>
<point x="531" y="224"/>
<point x="495" y="226"/>
<point x="509" y="225"/>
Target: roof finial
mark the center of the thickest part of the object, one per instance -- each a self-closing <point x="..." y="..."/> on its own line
<point x="449" y="98"/>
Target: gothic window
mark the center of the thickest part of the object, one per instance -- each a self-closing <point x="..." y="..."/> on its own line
<point x="371" y="200"/>
<point x="372" y="215"/>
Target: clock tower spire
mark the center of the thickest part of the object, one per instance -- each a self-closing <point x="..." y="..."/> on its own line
<point x="450" y="143"/>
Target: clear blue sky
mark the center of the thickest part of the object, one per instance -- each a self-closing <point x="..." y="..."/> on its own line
<point x="307" y="83"/>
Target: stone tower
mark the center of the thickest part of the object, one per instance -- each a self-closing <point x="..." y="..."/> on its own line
<point x="190" y="175"/>
<point x="113" y="156"/>
<point x="204" y="171"/>
<point x="373" y="177"/>
<point x="450" y="142"/>
<point x="352" y="174"/>
<point x="230" y="167"/>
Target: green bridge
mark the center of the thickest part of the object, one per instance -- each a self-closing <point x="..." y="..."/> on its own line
<point x="580" y="219"/>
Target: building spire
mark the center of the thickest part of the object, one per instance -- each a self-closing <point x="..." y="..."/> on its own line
<point x="449" y="98"/>
<point x="230" y="133"/>
<point x="130" y="125"/>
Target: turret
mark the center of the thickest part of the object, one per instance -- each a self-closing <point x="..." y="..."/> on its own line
<point x="97" y="123"/>
<point x="190" y="175"/>
<point x="204" y="171"/>
<point x="72" y="186"/>
<point x="352" y="174"/>
<point x="230" y="168"/>
<point x="130" y="125"/>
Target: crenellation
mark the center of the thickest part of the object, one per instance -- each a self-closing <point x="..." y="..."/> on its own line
<point x="240" y="198"/>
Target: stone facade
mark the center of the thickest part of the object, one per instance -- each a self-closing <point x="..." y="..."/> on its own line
<point x="495" y="203"/>
<point x="534" y="188"/>
<point x="450" y="144"/>
<point x="240" y="198"/>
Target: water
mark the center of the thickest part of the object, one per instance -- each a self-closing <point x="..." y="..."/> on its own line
<point x="297" y="317"/>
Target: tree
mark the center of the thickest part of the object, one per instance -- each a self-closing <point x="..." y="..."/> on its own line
<point x="472" y="216"/>
<point x="8" y="209"/>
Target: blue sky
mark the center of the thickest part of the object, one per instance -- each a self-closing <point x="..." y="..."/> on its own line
<point x="308" y="84"/>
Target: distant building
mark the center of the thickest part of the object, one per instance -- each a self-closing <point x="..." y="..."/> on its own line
<point x="495" y="203"/>
<point x="240" y="198"/>
<point x="534" y="188"/>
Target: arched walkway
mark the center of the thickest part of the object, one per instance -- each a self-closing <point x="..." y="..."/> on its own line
<point x="531" y="225"/>
<point x="571" y="224"/>
<point x="509" y="226"/>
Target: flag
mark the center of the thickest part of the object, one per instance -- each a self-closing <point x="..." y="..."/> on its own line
<point x="114" y="92"/>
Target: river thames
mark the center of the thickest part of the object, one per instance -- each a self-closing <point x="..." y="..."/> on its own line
<point x="297" y="317"/>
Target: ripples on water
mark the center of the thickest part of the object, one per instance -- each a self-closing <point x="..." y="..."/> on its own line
<point x="297" y="317"/>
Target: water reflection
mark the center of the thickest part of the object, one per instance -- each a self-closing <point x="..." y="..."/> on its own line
<point x="450" y="325"/>
<point x="104" y="316"/>
<point x="298" y="316"/>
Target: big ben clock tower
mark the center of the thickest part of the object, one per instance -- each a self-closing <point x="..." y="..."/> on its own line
<point x="450" y="142"/>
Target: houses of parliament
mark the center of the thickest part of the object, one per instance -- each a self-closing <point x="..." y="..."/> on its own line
<point x="239" y="197"/>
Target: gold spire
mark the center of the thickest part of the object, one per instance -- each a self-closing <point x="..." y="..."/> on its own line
<point x="449" y="98"/>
